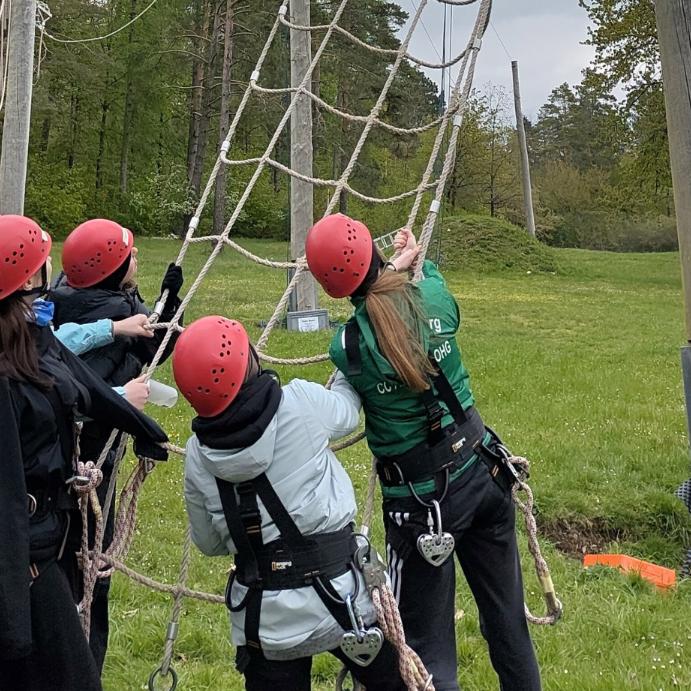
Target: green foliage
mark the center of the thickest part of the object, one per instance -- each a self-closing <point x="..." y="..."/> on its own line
<point x="486" y="244"/>
<point x="159" y="201"/>
<point x="56" y="197"/>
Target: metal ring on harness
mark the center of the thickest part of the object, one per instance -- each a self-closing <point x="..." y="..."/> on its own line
<point x="159" y="672"/>
<point x="32" y="504"/>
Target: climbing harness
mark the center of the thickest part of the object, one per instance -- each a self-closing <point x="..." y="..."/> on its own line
<point x="292" y="561"/>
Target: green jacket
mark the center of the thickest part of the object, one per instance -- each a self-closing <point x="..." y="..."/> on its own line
<point x="395" y="416"/>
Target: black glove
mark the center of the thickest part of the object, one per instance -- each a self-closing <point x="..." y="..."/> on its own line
<point x="172" y="281"/>
<point x="150" y="449"/>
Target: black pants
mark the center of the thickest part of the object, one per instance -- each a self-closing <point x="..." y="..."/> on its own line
<point x="60" y="659"/>
<point x="480" y="515"/>
<point x="294" y="675"/>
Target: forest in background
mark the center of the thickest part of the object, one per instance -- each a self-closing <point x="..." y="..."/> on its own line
<point x="129" y="127"/>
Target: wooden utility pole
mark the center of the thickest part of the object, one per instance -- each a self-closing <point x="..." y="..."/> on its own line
<point x="674" y="32"/>
<point x="15" y="133"/>
<point x="224" y="117"/>
<point x="523" y="147"/>
<point x="301" y="197"/>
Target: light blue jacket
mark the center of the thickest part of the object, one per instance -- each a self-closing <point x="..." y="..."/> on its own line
<point x="315" y="489"/>
<point x="81" y="338"/>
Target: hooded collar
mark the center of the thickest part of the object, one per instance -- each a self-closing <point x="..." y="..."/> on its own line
<point x="245" y="420"/>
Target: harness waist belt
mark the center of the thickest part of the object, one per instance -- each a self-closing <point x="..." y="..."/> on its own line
<point x="282" y="567"/>
<point x="42" y="501"/>
<point x="458" y="445"/>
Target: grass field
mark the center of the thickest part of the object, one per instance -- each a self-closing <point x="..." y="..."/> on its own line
<point x="579" y="371"/>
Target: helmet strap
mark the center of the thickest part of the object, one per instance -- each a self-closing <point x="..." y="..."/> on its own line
<point x="38" y="290"/>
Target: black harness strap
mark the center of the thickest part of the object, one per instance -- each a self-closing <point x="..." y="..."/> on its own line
<point x="352" y="348"/>
<point x="274" y="506"/>
<point x="447" y="394"/>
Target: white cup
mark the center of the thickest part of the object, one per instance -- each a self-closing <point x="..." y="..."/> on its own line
<point x="162" y="394"/>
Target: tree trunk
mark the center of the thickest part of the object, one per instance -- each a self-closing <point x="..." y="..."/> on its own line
<point x="128" y="113"/>
<point x="224" y="118"/>
<point x="105" y="105"/>
<point x="207" y="95"/>
<point x="45" y="133"/>
<point x="201" y="30"/>
<point x="74" y="129"/>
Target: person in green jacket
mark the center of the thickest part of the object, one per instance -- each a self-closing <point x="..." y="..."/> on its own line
<point x="445" y="482"/>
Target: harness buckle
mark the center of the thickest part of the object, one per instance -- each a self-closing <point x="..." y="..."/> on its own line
<point x="458" y="445"/>
<point x="78" y="480"/>
<point x="32" y="504"/>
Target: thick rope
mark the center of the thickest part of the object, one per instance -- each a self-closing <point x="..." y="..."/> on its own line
<point x="554" y="606"/>
<point x="413" y="671"/>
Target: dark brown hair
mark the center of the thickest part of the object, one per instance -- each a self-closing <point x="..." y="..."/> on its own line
<point x="18" y="355"/>
<point x="395" y="310"/>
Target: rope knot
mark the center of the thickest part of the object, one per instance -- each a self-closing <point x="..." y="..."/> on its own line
<point x="88" y="477"/>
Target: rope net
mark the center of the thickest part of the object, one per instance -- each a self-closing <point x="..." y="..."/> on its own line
<point x="96" y="562"/>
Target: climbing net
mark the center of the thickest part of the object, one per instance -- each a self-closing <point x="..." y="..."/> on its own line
<point x="98" y="563"/>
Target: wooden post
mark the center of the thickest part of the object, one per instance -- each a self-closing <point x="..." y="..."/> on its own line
<point x="15" y="133"/>
<point x="301" y="193"/>
<point x="523" y="148"/>
<point x="674" y="31"/>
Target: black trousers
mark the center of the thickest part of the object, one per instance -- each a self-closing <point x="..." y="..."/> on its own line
<point x="294" y="675"/>
<point x="60" y="659"/>
<point x="480" y="515"/>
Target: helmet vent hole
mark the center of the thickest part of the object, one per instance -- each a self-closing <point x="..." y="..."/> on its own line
<point x="216" y="380"/>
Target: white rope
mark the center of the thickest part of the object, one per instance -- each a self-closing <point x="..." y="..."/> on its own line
<point x="101" y="38"/>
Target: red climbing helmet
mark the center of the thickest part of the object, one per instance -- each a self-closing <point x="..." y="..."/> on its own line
<point x="339" y="252"/>
<point x="210" y="363"/>
<point x="24" y="249"/>
<point x="94" y="250"/>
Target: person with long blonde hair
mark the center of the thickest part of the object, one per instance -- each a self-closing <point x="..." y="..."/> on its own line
<point x="444" y="476"/>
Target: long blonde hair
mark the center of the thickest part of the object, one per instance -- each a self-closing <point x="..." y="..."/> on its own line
<point x="395" y="311"/>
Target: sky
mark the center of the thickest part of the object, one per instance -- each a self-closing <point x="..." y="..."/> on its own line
<point x="545" y="36"/>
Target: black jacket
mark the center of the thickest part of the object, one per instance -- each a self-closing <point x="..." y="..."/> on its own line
<point x="118" y="362"/>
<point x="36" y="458"/>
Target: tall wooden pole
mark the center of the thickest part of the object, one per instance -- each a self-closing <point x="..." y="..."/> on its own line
<point x="674" y="32"/>
<point x="523" y="148"/>
<point x="301" y="193"/>
<point x="15" y="133"/>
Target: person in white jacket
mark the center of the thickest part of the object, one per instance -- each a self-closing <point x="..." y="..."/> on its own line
<point x="262" y="483"/>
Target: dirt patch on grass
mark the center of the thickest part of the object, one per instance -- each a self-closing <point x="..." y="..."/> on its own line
<point x="578" y="536"/>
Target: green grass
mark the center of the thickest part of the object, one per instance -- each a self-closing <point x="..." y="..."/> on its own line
<point x="578" y="370"/>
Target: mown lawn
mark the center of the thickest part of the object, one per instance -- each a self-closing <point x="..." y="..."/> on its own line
<point x="579" y="371"/>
